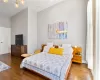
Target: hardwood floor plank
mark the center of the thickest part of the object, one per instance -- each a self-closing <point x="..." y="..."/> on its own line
<point x="77" y="71"/>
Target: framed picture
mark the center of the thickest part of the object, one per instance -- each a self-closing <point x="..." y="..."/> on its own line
<point x="58" y="30"/>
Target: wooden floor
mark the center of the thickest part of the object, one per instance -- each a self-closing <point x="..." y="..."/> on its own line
<point x="77" y="72"/>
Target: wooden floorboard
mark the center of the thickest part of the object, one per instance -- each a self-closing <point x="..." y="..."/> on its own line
<point x="77" y="71"/>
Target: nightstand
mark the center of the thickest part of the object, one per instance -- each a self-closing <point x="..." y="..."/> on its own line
<point x="77" y="55"/>
<point x="77" y="58"/>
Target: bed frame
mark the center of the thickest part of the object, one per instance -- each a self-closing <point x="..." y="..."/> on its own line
<point x="67" y="73"/>
<point x="43" y="45"/>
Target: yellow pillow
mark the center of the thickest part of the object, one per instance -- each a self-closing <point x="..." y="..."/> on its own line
<point x="58" y="51"/>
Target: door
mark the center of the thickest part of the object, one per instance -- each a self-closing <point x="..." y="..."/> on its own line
<point x="5" y="40"/>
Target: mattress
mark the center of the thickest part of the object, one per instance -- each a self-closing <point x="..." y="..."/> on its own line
<point x="49" y="65"/>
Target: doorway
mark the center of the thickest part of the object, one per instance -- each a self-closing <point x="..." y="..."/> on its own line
<point x="5" y="40"/>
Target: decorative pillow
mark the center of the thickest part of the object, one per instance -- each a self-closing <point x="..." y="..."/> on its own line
<point x="46" y="49"/>
<point x="50" y="44"/>
<point x="57" y="51"/>
<point x="67" y="50"/>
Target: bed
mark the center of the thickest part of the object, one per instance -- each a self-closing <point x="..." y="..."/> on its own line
<point x="51" y="66"/>
<point x="54" y="67"/>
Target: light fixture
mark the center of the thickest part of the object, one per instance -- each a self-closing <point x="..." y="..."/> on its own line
<point x="5" y="1"/>
<point x="17" y="2"/>
<point x="22" y="1"/>
<point x="75" y="46"/>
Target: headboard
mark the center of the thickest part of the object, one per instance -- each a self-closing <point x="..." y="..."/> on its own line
<point x="75" y="49"/>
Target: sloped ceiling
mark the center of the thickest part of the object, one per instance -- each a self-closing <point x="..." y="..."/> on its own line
<point x="9" y="9"/>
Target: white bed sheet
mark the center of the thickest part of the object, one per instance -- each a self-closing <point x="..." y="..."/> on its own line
<point x="55" y="65"/>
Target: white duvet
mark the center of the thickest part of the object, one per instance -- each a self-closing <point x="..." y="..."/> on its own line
<point x="48" y="62"/>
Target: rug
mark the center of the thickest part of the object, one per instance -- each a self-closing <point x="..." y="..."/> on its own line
<point x="3" y="66"/>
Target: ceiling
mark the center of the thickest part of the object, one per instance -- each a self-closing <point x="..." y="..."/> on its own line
<point x="9" y="9"/>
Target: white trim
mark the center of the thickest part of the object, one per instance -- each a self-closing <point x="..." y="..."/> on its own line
<point x="92" y="72"/>
<point x="97" y="63"/>
<point x="89" y="40"/>
<point x="84" y="61"/>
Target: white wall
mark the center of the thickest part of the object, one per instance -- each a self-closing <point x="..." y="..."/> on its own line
<point x="25" y="22"/>
<point x="32" y="31"/>
<point x="5" y="21"/>
<point x="19" y="25"/>
<point x="72" y="11"/>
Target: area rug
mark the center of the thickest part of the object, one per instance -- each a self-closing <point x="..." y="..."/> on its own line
<point x="3" y="66"/>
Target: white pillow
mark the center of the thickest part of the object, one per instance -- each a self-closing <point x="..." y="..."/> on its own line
<point x="66" y="45"/>
<point x="50" y="44"/>
<point x="46" y="49"/>
<point x="67" y="50"/>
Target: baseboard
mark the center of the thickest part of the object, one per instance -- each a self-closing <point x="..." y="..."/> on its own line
<point x="5" y="53"/>
<point x="92" y="72"/>
<point x="84" y="61"/>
